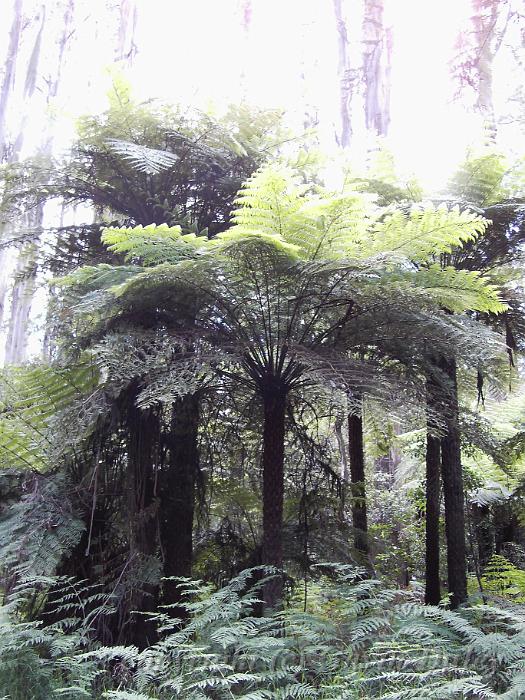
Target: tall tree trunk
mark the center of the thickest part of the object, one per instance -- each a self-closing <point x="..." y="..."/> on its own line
<point x="274" y="405"/>
<point x="143" y="432"/>
<point x="452" y="474"/>
<point x="9" y="74"/>
<point x="343" y="452"/>
<point x="433" y="457"/>
<point x="245" y="10"/>
<point x="177" y="499"/>
<point x="25" y="281"/>
<point x="484" y="532"/>
<point x="488" y="34"/>
<point x="21" y="300"/>
<point x="6" y="151"/>
<point x="358" y="483"/>
<point x="479" y="46"/>
<point x="126" y="48"/>
<point x="348" y="76"/>
<point x="377" y="52"/>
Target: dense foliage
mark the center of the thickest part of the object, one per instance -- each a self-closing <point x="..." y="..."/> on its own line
<point x="249" y="374"/>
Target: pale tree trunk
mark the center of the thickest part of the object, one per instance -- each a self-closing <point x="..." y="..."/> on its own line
<point x="126" y="48"/>
<point x="346" y="80"/>
<point x="478" y="49"/>
<point x="23" y="290"/>
<point x="377" y="53"/>
<point x="9" y="74"/>
<point x="6" y="153"/>
<point x="343" y="455"/>
<point x="245" y="11"/>
<point x="24" y="284"/>
<point x="348" y="75"/>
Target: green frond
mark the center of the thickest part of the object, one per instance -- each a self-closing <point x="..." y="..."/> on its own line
<point x="425" y="232"/>
<point x="30" y="400"/>
<point x="479" y="179"/>
<point x="459" y="290"/>
<point x="153" y="245"/>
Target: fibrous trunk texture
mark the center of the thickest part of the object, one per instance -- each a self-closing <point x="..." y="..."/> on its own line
<point x="433" y="459"/>
<point x="177" y="498"/>
<point x="274" y="405"/>
<point x="358" y="485"/>
<point x="142" y="449"/>
<point x="452" y="474"/>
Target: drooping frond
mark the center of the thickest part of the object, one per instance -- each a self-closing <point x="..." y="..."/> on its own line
<point x="30" y="400"/>
<point x="145" y="159"/>
<point x="460" y="290"/>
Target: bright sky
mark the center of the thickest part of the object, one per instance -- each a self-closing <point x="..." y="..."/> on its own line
<point x="196" y="51"/>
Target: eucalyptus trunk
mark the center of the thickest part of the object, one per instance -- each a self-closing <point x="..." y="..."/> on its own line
<point x="346" y="76"/>
<point x="9" y="74"/>
<point x="377" y="52"/>
<point x="126" y="48"/>
<point x="25" y="278"/>
<point x="177" y="498"/>
<point x="358" y="481"/>
<point x="274" y="405"/>
<point x="433" y="488"/>
<point x="452" y="474"/>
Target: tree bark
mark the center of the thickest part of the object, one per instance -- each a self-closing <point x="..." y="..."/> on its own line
<point x="126" y="48"/>
<point x="452" y="475"/>
<point x="9" y="75"/>
<point x="377" y="51"/>
<point x="177" y="499"/>
<point x="433" y="457"/>
<point x="24" y="285"/>
<point x="142" y="504"/>
<point x="274" y="404"/>
<point x="343" y="452"/>
<point x="358" y="483"/>
<point x="21" y="300"/>
<point x="347" y="76"/>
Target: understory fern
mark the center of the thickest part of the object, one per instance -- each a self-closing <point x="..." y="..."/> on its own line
<point x="353" y="639"/>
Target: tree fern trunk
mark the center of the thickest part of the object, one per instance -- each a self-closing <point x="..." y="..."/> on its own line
<point x="274" y="404"/>
<point x="358" y="485"/>
<point x="178" y="494"/>
<point x="142" y="443"/>
<point x="452" y="474"/>
<point x="433" y="457"/>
